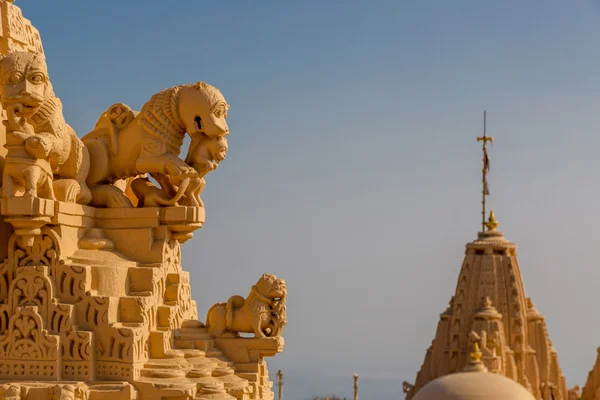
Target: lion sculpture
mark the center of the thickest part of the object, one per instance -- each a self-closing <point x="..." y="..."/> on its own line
<point x="24" y="82"/>
<point x="262" y="312"/>
<point x="126" y="144"/>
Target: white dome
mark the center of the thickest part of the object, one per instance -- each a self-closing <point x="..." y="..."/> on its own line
<point x="473" y="386"/>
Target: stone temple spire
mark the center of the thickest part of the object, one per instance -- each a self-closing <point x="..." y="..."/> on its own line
<point x="490" y="308"/>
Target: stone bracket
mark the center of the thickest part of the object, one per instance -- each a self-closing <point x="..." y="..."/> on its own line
<point x="249" y="350"/>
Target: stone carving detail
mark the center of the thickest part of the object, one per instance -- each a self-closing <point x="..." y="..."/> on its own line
<point x="4" y="317"/>
<point x="178" y="292"/>
<point x="257" y="314"/>
<point x="71" y="281"/>
<point x="77" y="346"/>
<point x="204" y="155"/>
<point x="114" y="146"/>
<point x="10" y="392"/>
<point x="19" y="33"/>
<point x="60" y="318"/>
<point x="27" y="168"/>
<point x="31" y="287"/>
<point x="95" y="312"/>
<point x="94" y="302"/>
<point x="38" y="128"/>
<point x="26" y="349"/>
<point x="172" y="256"/>
<point x="67" y="392"/>
<point x="121" y="344"/>
<point x="44" y="250"/>
<point x="6" y="273"/>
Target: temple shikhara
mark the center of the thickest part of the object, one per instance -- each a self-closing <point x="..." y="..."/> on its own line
<point x="491" y="313"/>
<point x="94" y="303"/>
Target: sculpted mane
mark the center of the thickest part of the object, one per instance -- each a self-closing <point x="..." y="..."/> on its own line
<point x="50" y="112"/>
<point x="255" y="305"/>
<point x="159" y="118"/>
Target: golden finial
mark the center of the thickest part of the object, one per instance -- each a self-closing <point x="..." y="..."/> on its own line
<point x="476" y="354"/>
<point x="492" y="223"/>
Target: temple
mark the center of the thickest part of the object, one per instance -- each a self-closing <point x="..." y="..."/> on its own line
<point x="94" y="302"/>
<point x="490" y="308"/>
<point x="491" y="311"/>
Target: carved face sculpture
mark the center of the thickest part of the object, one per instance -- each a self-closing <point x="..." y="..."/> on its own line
<point x="272" y="287"/>
<point x="219" y="150"/>
<point x="209" y="149"/>
<point x="24" y="79"/>
<point x="10" y="393"/>
<point x="203" y="110"/>
<point x="67" y="392"/>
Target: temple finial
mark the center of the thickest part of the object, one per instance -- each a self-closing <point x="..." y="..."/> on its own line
<point x="476" y="354"/>
<point x="487" y="302"/>
<point x="486" y="168"/>
<point x="492" y="223"/>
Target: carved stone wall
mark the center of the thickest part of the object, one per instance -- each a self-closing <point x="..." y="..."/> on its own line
<point x="94" y="302"/>
<point x="75" y="308"/>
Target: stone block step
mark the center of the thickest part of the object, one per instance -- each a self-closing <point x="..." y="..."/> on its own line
<point x="162" y="373"/>
<point x="248" y="376"/>
<point x="216" y="353"/>
<point x="192" y="334"/>
<point x="111" y="390"/>
<point x="222" y="371"/>
<point x="216" y="396"/>
<point x="200" y="344"/>
<point x="205" y="362"/>
<point x="167" y="363"/>
<point x="234" y="382"/>
<point x="193" y="353"/>
<point x="165" y="388"/>
<point x="210" y="386"/>
<point x="200" y="373"/>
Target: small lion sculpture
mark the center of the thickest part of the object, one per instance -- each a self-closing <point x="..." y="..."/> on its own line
<point x="263" y="312"/>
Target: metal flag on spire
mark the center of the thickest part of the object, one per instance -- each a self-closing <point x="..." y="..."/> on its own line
<point x="486" y="168"/>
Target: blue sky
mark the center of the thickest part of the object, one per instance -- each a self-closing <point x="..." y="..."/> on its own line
<point x="353" y="170"/>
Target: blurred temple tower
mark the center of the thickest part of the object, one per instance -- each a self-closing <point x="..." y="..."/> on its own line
<point x="490" y="309"/>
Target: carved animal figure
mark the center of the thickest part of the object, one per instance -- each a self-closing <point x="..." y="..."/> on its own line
<point x="66" y="392"/>
<point x="10" y="392"/>
<point x="261" y="313"/>
<point x="205" y="153"/>
<point x="149" y="195"/>
<point x="24" y="80"/>
<point x="204" y="156"/>
<point x="278" y="319"/>
<point x="27" y="168"/>
<point x="126" y="144"/>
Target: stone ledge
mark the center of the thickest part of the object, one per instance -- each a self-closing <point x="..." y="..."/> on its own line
<point x="107" y="218"/>
<point x="247" y="350"/>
